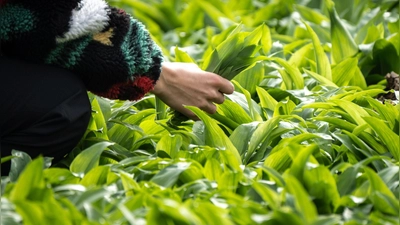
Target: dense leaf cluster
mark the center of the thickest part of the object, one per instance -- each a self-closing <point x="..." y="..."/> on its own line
<point x="303" y="140"/>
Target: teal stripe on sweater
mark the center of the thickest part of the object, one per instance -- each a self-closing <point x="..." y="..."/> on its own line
<point x="15" y="20"/>
<point x="138" y="40"/>
<point x="55" y="54"/>
<point x="76" y="54"/>
<point x="128" y="51"/>
<point x="145" y="61"/>
<point x="68" y="54"/>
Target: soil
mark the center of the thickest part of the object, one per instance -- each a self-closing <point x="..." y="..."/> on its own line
<point x="393" y="83"/>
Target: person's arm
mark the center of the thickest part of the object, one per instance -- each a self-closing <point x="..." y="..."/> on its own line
<point x="112" y="52"/>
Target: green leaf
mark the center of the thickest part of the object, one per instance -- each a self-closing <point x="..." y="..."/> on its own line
<point x="295" y="79"/>
<point x="300" y="157"/>
<point x="388" y="137"/>
<point x="266" y="100"/>
<point x="321" y="184"/>
<point x="242" y="135"/>
<point x="346" y="182"/>
<point x="18" y="163"/>
<point x="229" y="180"/>
<point x="395" y="40"/>
<point x="251" y="77"/>
<point x="268" y="195"/>
<point x="88" y="159"/>
<point x="168" y="176"/>
<point x="31" y="213"/>
<point x="215" y="137"/>
<point x="386" y="112"/>
<point x="251" y="106"/>
<point x="58" y="176"/>
<point x="96" y="177"/>
<point x="129" y="184"/>
<point x="302" y="57"/>
<point x="266" y="40"/>
<point x="233" y="111"/>
<point x="366" y="137"/>
<point x="122" y="133"/>
<point x="284" y="216"/>
<point x="274" y="175"/>
<point x="224" y="53"/>
<point x="181" y="56"/>
<point x="193" y="173"/>
<point x="311" y="15"/>
<point x="8" y="214"/>
<point x="211" y="214"/>
<point x="213" y="12"/>
<point x="355" y="111"/>
<point x="150" y="11"/>
<point x="213" y="169"/>
<point x="322" y="80"/>
<point x="374" y="33"/>
<point x="358" y="79"/>
<point x="284" y="108"/>
<point x="243" y="101"/>
<point x="279" y="158"/>
<point x="29" y="182"/>
<point x="262" y="132"/>
<point x="254" y="37"/>
<point x="263" y="14"/>
<point x="344" y="72"/>
<point x="323" y="65"/>
<point x="167" y="211"/>
<point x="170" y="144"/>
<point x="383" y="199"/>
<point x="343" y="45"/>
<point x="88" y="197"/>
<point x="385" y="57"/>
<point x="98" y="119"/>
<point x="302" y="202"/>
<point x="191" y="17"/>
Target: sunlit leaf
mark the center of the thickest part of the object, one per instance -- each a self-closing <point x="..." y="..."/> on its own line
<point x="168" y="176"/>
<point x="88" y="158"/>
<point x="323" y="65"/>
<point x="295" y="78"/>
<point x="215" y="137"/>
<point x="388" y="137"/>
<point x="29" y="182"/>
<point x="343" y="45"/>
<point x="302" y="202"/>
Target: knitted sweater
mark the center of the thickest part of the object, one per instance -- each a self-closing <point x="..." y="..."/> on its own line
<point x="111" y="51"/>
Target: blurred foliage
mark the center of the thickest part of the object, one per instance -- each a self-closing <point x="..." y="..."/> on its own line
<point x="302" y="140"/>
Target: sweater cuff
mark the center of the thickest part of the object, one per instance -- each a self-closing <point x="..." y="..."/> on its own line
<point x="143" y="60"/>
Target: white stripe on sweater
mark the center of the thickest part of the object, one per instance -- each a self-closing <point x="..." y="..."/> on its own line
<point x="90" y="17"/>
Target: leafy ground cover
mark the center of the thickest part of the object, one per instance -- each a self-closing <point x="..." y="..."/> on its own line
<point x="310" y="135"/>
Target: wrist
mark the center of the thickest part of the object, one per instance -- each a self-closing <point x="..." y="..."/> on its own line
<point x="160" y="83"/>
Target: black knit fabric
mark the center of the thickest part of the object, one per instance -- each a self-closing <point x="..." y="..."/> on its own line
<point x="44" y="110"/>
<point x="118" y="61"/>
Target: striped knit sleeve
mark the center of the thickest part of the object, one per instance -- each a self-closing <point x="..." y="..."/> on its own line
<point x="112" y="52"/>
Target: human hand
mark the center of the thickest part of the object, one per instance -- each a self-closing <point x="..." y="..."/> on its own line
<point x="186" y="84"/>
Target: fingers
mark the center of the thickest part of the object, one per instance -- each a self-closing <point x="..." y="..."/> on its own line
<point x="220" y="86"/>
<point x="223" y="85"/>
<point x="209" y="108"/>
<point x="219" y="98"/>
<point x="189" y="114"/>
<point x="226" y="86"/>
<point x="186" y="84"/>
